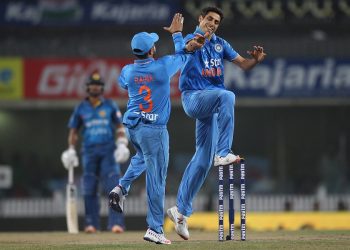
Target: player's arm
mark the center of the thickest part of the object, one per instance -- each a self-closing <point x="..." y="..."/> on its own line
<point x="181" y="47"/>
<point x="73" y="137"/>
<point x="69" y="157"/>
<point x="122" y="79"/>
<point x="257" y="55"/>
<point x="175" y="29"/>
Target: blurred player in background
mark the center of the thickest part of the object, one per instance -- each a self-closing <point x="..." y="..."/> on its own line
<point x="100" y="120"/>
<point x="205" y="98"/>
<point x="148" y="83"/>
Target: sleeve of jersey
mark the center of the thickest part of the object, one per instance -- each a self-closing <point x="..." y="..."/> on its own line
<point x="229" y="53"/>
<point x="75" y="120"/>
<point x="179" y="43"/>
<point x="173" y="63"/>
<point x="122" y="79"/>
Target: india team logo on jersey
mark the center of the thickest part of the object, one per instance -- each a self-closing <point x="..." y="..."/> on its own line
<point x="218" y="47"/>
<point x="102" y="113"/>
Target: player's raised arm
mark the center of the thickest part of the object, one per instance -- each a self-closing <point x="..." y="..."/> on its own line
<point x="175" y="27"/>
<point x="257" y="54"/>
<point x="176" y="24"/>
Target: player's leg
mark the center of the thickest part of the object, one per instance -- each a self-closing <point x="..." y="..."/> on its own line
<point x="195" y="174"/>
<point x="225" y="122"/>
<point x="90" y="185"/>
<point x="224" y="155"/>
<point x="155" y="148"/>
<point x="204" y="103"/>
<point x="110" y="174"/>
<point x="135" y="169"/>
<point x="118" y="194"/>
<point x="200" y="164"/>
<point x="137" y="165"/>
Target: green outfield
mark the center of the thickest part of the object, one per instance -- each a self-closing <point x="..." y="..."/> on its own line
<point x="308" y="239"/>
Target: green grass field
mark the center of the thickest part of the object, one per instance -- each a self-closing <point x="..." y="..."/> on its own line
<point x="199" y="240"/>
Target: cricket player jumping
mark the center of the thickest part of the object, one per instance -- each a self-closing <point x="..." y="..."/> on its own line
<point x="205" y="98"/>
<point x="148" y="83"/>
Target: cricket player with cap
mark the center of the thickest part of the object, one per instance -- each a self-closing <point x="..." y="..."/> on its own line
<point x="205" y="99"/>
<point x="100" y="120"/>
<point x="148" y="83"/>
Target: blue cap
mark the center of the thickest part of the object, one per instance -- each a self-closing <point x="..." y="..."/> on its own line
<point x="142" y="42"/>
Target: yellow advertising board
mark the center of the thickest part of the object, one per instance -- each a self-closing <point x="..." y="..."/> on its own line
<point x="11" y="78"/>
<point x="271" y="221"/>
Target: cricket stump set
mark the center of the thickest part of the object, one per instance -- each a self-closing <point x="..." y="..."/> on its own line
<point x="231" y="211"/>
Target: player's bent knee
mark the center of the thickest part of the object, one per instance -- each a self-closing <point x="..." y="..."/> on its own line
<point x="228" y="96"/>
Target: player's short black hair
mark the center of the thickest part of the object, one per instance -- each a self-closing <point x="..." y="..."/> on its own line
<point x="215" y="9"/>
<point x="144" y="56"/>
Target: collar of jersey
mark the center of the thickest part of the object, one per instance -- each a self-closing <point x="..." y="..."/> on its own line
<point x="102" y="99"/>
<point x="144" y="61"/>
<point x="200" y="31"/>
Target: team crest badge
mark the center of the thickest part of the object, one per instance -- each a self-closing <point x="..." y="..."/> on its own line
<point x="218" y="47"/>
<point x="102" y="113"/>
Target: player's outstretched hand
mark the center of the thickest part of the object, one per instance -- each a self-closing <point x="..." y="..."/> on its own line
<point x="201" y="38"/>
<point x="197" y="42"/>
<point x="257" y="53"/>
<point x="176" y="25"/>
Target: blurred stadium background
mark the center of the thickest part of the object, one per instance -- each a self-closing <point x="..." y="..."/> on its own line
<point x="292" y="113"/>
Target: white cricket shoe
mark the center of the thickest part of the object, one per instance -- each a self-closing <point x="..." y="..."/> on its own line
<point x="180" y="222"/>
<point x="155" y="237"/>
<point x="227" y="160"/>
<point x="116" y="199"/>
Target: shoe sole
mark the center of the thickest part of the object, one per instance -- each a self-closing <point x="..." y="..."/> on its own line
<point x="170" y="215"/>
<point x="152" y="241"/>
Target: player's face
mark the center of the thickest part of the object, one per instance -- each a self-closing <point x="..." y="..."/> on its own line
<point x="95" y="90"/>
<point x="210" y="22"/>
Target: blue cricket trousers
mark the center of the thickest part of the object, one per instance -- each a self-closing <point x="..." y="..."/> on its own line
<point x="214" y="113"/>
<point x="152" y="155"/>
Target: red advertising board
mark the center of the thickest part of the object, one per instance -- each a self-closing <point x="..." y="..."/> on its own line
<point x="66" y="78"/>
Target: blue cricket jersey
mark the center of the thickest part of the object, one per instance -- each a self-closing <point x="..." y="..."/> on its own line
<point x="205" y="69"/>
<point x="148" y="85"/>
<point x="98" y="122"/>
